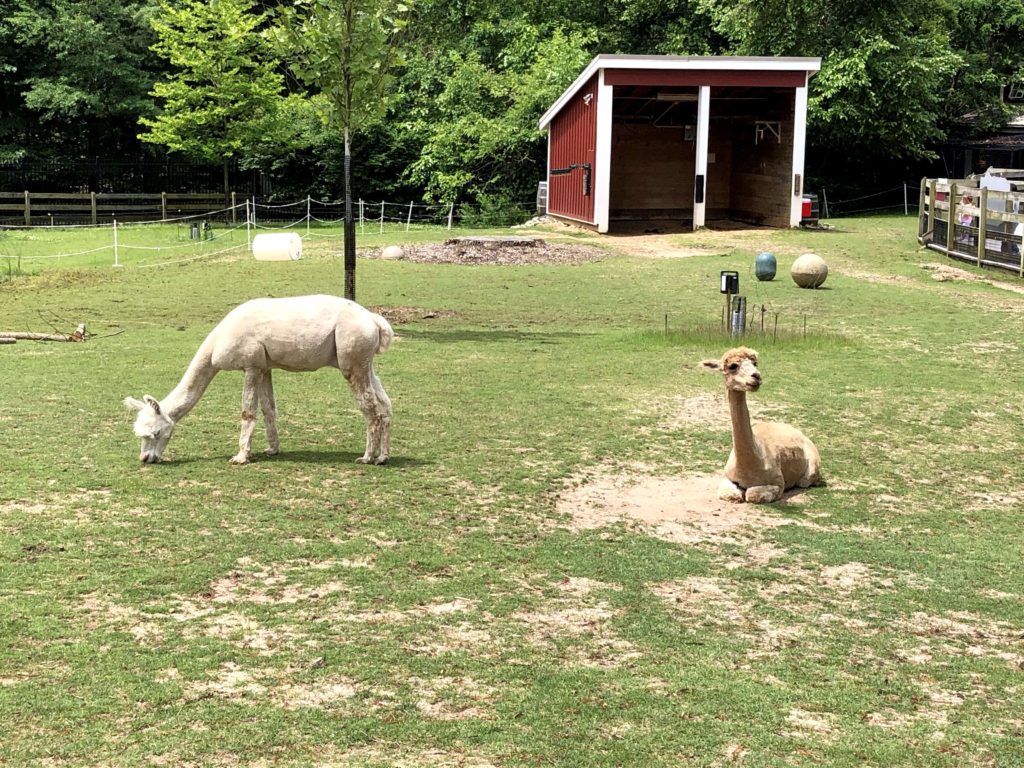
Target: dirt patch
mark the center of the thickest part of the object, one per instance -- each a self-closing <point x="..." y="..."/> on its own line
<point x="403" y="315"/>
<point x="498" y="251"/>
<point x="665" y="247"/>
<point x="684" y="509"/>
<point x="945" y="273"/>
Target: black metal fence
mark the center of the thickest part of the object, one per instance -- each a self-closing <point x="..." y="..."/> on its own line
<point x="126" y="176"/>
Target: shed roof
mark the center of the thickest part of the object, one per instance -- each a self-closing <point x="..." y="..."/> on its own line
<point x="676" y="63"/>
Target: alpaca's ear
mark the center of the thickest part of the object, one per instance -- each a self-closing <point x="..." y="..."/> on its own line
<point x="152" y="403"/>
<point x="712" y="365"/>
<point x="133" y="404"/>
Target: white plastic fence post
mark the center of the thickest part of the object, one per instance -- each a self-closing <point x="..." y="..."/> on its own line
<point x="824" y="199"/>
<point x="382" y="217"/>
<point x="253" y="213"/>
<point x="307" y="215"/>
<point x="362" y="221"/>
<point x="408" y="219"/>
<point x="248" y="222"/>
<point x="117" y="262"/>
<point x="906" y="209"/>
<point x="451" y="213"/>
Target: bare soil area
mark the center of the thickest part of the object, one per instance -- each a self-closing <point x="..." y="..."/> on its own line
<point x="684" y="509"/>
<point x="504" y="251"/>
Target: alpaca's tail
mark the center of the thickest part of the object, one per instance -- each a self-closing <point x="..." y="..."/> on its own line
<point x="385" y="333"/>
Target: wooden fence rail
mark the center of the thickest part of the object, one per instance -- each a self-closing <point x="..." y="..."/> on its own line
<point x="966" y="220"/>
<point x="35" y="208"/>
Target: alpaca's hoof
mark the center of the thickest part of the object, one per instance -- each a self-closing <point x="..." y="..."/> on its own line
<point x="729" y="491"/>
<point x="239" y="458"/>
<point x="381" y="460"/>
<point x="363" y="460"/>
<point x="764" y="494"/>
<point x="370" y="460"/>
<point x="272" y="451"/>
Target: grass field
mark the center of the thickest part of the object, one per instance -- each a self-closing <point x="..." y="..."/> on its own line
<point x="448" y="609"/>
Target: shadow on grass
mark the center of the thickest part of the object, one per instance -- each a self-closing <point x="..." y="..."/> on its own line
<point x="337" y="458"/>
<point x="334" y="458"/>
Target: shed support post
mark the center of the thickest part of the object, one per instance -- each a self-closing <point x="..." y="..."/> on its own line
<point x="603" y="154"/>
<point x="799" y="151"/>
<point x="700" y="172"/>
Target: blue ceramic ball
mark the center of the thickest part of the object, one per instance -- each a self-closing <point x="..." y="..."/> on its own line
<point x="764" y="266"/>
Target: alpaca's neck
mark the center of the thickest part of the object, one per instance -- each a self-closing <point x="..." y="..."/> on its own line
<point x="193" y="384"/>
<point x="743" y="443"/>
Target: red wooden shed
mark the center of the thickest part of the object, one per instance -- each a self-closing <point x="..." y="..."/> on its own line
<point x="680" y="138"/>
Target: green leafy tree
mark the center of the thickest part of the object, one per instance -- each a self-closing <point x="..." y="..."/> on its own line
<point x="347" y="52"/>
<point x="481" y="142"/>
<point x="988" y="36"/>
<point x="74" y="76"/>
<point x="226" y="93"/>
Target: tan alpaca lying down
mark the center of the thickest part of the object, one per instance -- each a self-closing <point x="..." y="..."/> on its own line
<point x="767" y="458"/>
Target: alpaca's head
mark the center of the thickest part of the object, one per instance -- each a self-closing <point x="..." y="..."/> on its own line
<point x="739" y="368"/>
<point x="152" y="426"/>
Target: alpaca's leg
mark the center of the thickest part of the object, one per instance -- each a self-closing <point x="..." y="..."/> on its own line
<point x="383" y="420"/>
<point x="764" y="494"/>
<point x="376" y="407"/>
<point x="269" y="408"/>
<point x="729" y="491"/>
<point x="812" y="475"/>
<point x="250" y="397"/>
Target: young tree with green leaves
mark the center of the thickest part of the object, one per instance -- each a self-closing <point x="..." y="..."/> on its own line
<point x="347" y="51"/>
<point x="226" y="94"/>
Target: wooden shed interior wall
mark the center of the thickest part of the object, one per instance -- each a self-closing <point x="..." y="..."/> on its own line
<point x="654" y="155"/>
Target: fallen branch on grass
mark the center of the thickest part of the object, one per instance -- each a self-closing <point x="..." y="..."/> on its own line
<point x="10" y="337"/>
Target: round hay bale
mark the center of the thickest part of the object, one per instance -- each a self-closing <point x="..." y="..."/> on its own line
<point x="392" y="252"/>
<point x="809" y="271"/>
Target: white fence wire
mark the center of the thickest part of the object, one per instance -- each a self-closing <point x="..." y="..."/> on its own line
<point x="313" y="219"/>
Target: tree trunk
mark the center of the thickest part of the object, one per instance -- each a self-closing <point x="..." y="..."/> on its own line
<point x="350" y="228"/>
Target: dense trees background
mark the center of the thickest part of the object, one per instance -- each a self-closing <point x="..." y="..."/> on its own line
<point x="84" y="79"/>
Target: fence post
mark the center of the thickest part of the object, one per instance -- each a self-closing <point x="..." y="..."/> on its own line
<point x="382" y="217"/>
<point x="933" y="188"/>
<point x="408" y="219"/>
<point x="234" y="208"/>
<point x="248" y="237"/>
<point x="824" y="199"/>
<point x="28" y="209"/>
<point x="982" y="222"/>
<point x="252" y="213"/>
<point x="92" y="206"/>
<point x="451" y="213"/>
<point x="117" y="262"/>
<point x="308" y="206"/>
<point x="906" y="206"/>
<point x="950" y="220"/>
<point x="163" y="206"/>
<point x="920" y="207"/>
<point x="362" y="221"/>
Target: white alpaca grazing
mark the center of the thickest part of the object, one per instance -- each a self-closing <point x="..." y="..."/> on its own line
<point x="301" y="333"/>
<point x="767" y="458"/>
